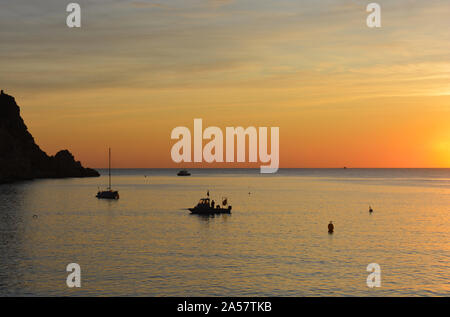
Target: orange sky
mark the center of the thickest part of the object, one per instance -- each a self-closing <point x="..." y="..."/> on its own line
<point x="341" y="93"/>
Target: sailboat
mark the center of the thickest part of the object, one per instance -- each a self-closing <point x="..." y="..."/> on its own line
<point x="108" y="193"/>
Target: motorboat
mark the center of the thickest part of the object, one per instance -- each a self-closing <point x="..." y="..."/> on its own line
<point x="183" y="173"/>
<point x="206" y="206"/>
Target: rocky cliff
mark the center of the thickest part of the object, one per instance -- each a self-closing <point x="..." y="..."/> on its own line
<point x="22" y="159"/>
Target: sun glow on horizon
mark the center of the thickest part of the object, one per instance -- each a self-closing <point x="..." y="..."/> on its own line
<point x="442" y="150"/>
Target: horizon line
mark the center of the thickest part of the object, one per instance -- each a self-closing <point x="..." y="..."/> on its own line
<point x="257" y="168"/>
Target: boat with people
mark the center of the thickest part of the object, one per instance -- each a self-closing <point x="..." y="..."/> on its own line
<point x="108" y="193"/>
<point x="183" y="173"/>
<point x="208" y="207"/>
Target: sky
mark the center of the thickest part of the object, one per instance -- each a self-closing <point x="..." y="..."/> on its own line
<point x="341" y="93"/>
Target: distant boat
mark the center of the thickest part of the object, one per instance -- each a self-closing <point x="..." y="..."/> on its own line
<point x="370" y="209"/>
<point x="207" y="207"/>
<point x="183" y="173"/>
<point x="108" y="193"/>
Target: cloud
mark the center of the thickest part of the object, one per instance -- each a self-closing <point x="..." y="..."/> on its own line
<point x="192" y="44"/>
<point x="220" y="3"/>
<point x="146" y="4"/>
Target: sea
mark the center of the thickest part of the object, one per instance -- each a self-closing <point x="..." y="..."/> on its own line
<point x="275" y="242"/>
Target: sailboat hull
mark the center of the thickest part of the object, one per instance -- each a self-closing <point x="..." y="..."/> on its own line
<point x="108" y="194"/>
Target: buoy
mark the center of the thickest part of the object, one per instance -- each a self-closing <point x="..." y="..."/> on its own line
<point x="330" y="227"/>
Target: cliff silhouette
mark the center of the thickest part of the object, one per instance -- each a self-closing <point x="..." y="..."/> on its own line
<point x="22" y="159"/>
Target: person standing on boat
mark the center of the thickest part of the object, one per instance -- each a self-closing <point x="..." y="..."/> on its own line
<point x="213" y="203"/>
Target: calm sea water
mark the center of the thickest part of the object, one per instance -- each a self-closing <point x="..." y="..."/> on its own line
<point x="275" y="242"/>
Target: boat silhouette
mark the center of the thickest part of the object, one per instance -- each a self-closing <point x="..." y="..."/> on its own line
<point x="108" y="193"/>
<point x="183" y="173"/>
<point x="207" y="207"/>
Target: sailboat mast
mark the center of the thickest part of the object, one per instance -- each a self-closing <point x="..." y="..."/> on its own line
<point x="109" y="168"/>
